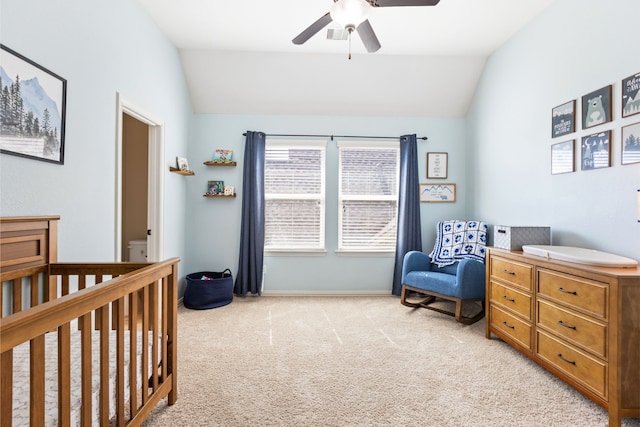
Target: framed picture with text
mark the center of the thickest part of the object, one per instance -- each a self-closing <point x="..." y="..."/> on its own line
<point x="437" y="192"/>
<point x="631" y="95"/>
<point x="437" y="165"/>
<point x="563" y="119"/>
<point x="596" y="151"/>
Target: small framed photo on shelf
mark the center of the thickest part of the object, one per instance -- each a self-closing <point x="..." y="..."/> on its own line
<point x="215" y="188"/>
<point x="631" y="95"/>
<point x="222" y="156"/>
<point x="596" y="107"/>
<point x="631" y="144"/>
<point x="563" y="157"/>
<point x="229" y="190"/>
<point x="182" y="163"/>
<point x="596" y="151"/>
<point x="437" y="165"/>
<point x="437" y="192"/>
<point x="563" y="119"/>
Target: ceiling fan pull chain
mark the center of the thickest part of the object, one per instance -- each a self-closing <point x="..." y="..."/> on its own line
<point x="350" y="44"/>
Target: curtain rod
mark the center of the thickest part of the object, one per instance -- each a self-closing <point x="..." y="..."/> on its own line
<point x="424" y="138"/>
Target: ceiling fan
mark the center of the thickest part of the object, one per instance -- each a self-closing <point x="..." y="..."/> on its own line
<point x="352" y="15"/>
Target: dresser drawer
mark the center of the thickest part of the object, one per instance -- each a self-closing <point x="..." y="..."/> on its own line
<point x="583" y="294"/>
<point x="579" y="329"/>
<point x="510" y="325"/>
<point x="575" y="363"/>
<point x="512" y="272"/>
<point x="511" y="298"/>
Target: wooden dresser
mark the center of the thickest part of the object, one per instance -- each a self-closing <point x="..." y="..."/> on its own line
<point x="582" y="323"/>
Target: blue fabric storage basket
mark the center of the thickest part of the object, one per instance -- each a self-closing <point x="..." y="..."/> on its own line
<point x="215" y="291"/>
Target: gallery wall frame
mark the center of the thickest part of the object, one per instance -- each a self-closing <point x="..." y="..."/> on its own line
<point x="563" y="119"/>
<point x="595" y="151"/>
<point x="437" y="165"/>
<point x="435" y="192"/>
<point x="563" y="157"/>
<point x="596" y="107"/>
<point x="33" y="126"/>
<point x="630" y="144"/>
<point x="631" y="95"/>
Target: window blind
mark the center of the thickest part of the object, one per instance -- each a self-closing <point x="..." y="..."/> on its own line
<point x="368" y="197"/>
<point x="294" y="195"/>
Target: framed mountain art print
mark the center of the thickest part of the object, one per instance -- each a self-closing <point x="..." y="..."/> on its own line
<point x="32" y="109"/>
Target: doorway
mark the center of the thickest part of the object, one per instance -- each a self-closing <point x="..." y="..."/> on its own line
<point x="135" y="188"/>
<point x="139" y="182"/>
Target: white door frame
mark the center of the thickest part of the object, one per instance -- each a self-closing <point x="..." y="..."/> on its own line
<point x="155" y="196"/>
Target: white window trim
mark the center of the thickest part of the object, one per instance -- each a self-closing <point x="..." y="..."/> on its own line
<point x="303" y="251"/>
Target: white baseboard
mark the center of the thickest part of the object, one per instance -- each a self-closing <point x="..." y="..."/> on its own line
<point x="326" y="293"/>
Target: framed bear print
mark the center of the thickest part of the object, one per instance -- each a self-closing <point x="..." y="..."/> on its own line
<point x="596" y="107"/>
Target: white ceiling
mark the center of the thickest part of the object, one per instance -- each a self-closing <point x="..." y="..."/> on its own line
<point x="448" y="45"/>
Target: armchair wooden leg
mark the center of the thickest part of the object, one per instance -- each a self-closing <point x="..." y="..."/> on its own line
<point x="429" y="299"/>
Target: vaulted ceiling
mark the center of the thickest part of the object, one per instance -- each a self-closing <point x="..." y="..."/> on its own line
<point x="238" y="57"/>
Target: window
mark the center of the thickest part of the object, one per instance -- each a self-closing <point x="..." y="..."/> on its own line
<point x="294" y="195"/>
<point x="368" y="197"/>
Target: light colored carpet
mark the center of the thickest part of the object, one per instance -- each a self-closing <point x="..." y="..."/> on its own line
<point x="357" y="361"/>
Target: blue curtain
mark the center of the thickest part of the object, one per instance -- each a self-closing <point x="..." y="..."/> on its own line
<point x="250" y="264"/>
<point x="409" y="236"/>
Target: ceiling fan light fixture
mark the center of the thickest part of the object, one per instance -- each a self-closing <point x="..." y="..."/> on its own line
<point x="350" y="13"/>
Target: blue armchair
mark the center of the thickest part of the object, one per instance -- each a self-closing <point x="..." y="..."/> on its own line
<point x="460" y="282"/>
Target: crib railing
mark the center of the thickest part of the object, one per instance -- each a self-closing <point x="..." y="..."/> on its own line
<point x="137" y="300"/>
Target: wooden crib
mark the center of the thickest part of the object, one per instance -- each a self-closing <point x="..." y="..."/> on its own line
<point x="98" y="341"/>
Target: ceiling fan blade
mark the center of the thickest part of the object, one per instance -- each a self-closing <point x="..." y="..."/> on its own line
<point x="365" y="31"/>
<point x="312" y="29"/>
<point x="391" y="3"/>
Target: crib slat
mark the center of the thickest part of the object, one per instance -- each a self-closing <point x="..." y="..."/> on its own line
<point x="35" y="286"/>
<point x="133" y="351"/>
<point x="64" y="375"/>
<point x="65" y="286"/>
<point x="145" y="343"/>
<point x="119" y="314"/>
<point x="154" y="306"/>
<point x="165" y="305"/>
<point x="84" y="324"/>
<point x="6" y="388"/>
<point x="36" y="382"/>
<point x="102" y="318"/>
<point x="17" y="295"/>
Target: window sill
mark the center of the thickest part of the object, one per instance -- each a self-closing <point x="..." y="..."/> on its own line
<point x="368" y="254"/>
<point x="295" y="252"/>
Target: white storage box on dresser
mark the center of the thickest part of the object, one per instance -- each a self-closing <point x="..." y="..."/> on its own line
<point x="580" y="322"/>
<point x="512" y="238"/>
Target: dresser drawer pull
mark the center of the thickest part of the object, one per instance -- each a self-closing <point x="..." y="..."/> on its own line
<point x="561" y="323"/>
<point x="566" y="360"/>
<point x="509" y="272"/>
<point x="508" y="325"/>
<point x="508" y="299"/>
<point x="567" y="292"/>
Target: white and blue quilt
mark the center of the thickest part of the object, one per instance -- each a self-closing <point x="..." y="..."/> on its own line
<point x="457" y="240"/>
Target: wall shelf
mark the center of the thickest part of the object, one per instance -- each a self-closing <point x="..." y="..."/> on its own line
<point x="212" y="163"/>
<point x="180" y="171"/>
<point x="219" y="195"/>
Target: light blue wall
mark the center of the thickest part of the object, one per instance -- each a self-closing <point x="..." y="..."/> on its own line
<point x="214" y="224"/>
<point x="575" y="47"/>
<point x="100" y="48"/>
